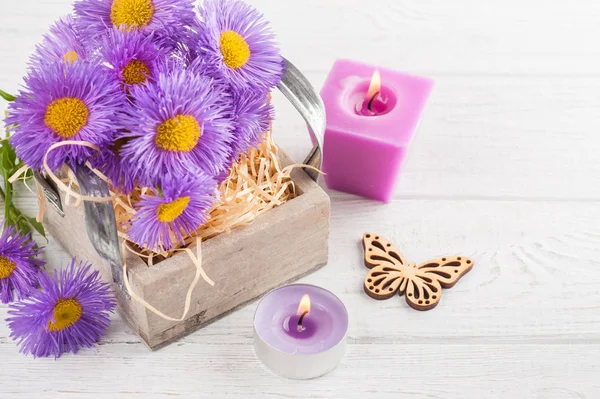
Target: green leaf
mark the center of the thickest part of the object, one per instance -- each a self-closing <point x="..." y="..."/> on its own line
<point x="9" y="164"/>
<point x="7" y="161"/>
<point x="10" y="151"/>
<point x="6" y="96"/>
<point x="38" y="227"/>
<point x="23" y="226"/>
<point x="12" y="155"/>
<point x="24" y="223"/>
<point x="8" y="199"/>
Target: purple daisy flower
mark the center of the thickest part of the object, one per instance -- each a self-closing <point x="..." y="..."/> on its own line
<point x="132" y="56"/>
<point x="167" y="18"/>
<point x="116" y="168"/>
<point x="238" y="44"/>
<point x="62" y="44"/>
<point x="252" y="116"/>
<point x="70" y="311"/>
<point x="64" y="102"/>
<point x="19" y="265"/>
<point x="164" y="221"/>
<point x="177" y="125"/>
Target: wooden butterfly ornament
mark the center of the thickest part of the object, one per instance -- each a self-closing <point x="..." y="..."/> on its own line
<point x="422" y="284"/>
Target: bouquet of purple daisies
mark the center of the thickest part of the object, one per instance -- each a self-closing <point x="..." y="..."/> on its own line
<point x="167" y="98"/>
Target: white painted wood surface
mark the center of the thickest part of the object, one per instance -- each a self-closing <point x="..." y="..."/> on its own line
<point x="505" y="170"/>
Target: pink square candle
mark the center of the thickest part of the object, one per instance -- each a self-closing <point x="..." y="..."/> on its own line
<point x="366" y="141"/>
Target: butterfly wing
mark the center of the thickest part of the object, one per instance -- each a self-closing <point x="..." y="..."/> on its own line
<point x="380" y="252"/>
<point x="386" y="276"/>
<point x="427" y="280"/>
<point x="447" y="270"/>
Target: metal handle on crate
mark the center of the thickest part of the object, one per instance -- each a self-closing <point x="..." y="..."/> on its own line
<point x="50" y="192"/>
<point x="100" y="217"/>
<point x="100" y="221"/>
<point x="298" y="90"/>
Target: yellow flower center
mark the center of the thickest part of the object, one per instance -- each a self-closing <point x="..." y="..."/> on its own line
<point x="135" y="72"/>
<point x="70" y="57"/>
<point x="66" y="116"/>
<point x="235" y="49"/>
<point x="7" y="267"/>
<point x="178" y="134"/>
<point x="131" y="14"/>
<point x="66" y="313"/>
<point x="171" y="211"/>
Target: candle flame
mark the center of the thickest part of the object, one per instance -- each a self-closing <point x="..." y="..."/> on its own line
<point x="304" y="306"/>
<point x="375" y="86"/>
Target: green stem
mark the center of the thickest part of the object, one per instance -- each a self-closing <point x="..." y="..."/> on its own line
<point x="7" y="198"/>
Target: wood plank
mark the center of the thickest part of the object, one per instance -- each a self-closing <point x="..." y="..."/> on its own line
<point x="486" y="138"/>
<point x="230" y="369"/>
<point x="465" y="37"/>
<point x="535" y="277"/>
<point x="435" y="37"/>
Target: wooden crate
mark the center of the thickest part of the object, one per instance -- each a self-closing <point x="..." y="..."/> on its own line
<point x="281" y="246"/>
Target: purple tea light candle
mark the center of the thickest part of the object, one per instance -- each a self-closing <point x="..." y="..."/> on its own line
<point x="372" y="116"/>
<point x="300" y="331"/>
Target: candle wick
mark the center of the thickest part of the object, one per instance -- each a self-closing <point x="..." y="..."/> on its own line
<point x="300" y="327"/>
<point x="371" y="101"/>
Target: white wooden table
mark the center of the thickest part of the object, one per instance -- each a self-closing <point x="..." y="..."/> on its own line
<point x="505" y="169"/>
